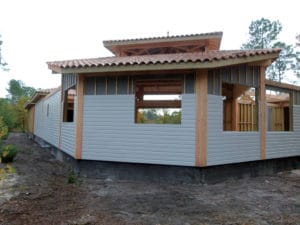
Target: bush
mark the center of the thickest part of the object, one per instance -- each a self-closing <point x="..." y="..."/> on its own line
<point x="8" y="153"/>
<point x="3" y="129"/>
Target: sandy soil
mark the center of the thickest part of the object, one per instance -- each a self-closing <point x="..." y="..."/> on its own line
<point x="39" y="193"/>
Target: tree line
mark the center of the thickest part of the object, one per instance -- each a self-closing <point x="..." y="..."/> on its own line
<point x="12" y="111"/>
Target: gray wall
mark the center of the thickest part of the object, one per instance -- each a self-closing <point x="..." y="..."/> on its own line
<point x="47" y="127"/>
<point x="283" y="144"/>
<point x="228" y="146"/>
<point x="68" y="138"/>
<point x="68" y="80"/>
<point x="68" y="134"/>
<point x="110" y="133"/>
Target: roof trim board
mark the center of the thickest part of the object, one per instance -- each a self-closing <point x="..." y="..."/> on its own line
<point x="282" y="85"/>
<point x="175" y="38"/>
<point x="165" y="65"/>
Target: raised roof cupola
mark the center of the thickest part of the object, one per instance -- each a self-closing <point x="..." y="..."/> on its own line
<point x="165" y="45"/>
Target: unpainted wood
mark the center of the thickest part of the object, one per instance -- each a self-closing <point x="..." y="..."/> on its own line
<point x="78" y="132"/>
<point x="201" y="119"/>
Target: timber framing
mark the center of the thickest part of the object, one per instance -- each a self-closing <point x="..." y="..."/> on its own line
<point x="282" y="85"/>
<point x="176" y="100"/>
<point x="79" y="114"/>
<point x="201" y="119"/>
<point x="262" y="113"/>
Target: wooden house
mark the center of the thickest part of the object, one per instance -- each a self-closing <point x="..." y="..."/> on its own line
<point x="175" y="100"/>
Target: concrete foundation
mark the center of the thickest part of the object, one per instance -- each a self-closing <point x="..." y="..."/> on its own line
<point x="172" y="174"/>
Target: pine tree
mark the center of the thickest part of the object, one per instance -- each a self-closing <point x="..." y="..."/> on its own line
<point x="264" y="33"/>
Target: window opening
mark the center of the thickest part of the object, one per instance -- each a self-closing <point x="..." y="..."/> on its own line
<point x="239" y="107"/>
<point x="69" y="99"/>
<point x="279" y="113"/>
<point x="158" y="101"/>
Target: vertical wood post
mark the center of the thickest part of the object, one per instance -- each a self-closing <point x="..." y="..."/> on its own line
<point x="201" y="118"/>
<point x="33" y="117"/>
<point x="235" y="108"/>
<point x="78" y="134"/>
<point x="262" y="112"/>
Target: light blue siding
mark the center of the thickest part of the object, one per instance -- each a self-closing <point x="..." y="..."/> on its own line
<point x="110" y="133"/>
<point x="224" y="146"/>
<point x="47" y="126"/>
<point x="68" y="138"/>
<point x="68" y="80"/>
<point x="284" y="144"/>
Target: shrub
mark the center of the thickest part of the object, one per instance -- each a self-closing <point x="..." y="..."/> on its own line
<point x="73" y="178"/>
<point x="3" y="129"/>
<point x="8" y="153"/>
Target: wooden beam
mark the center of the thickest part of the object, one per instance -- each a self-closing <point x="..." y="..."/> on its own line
<point x="158" y="104"/>
<point x="264" y="63"/>
<point x="262" y="112"/>
<point x="78" y="134"/>
<point x="238" y="90"/>
<point x="201" y="119"/>
<point x="282" y="85"/>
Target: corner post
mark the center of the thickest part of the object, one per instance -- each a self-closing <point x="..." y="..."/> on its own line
<point x="201" y="118"/>
<point x="262" y="112"/>
<point x="78" y="134"/>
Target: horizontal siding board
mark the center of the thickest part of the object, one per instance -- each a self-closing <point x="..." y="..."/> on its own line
<point x="227" y="147"/>
<point x="109" y="133"/>
<point x="68" y="138"/>
<point x="47" y="127"/>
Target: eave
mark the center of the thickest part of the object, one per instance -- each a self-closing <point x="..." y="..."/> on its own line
<point x="166" y="66"/>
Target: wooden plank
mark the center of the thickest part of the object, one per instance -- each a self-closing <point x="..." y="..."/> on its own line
<point x="262" y="112"/>
<point x="158" y="104"/>
<point x="282" y="85"/>
<point x="78" y="134"/>
<point x="201" y="119"/>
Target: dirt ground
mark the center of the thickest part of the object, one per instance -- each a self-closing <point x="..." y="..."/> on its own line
<point x="38" y="192"/>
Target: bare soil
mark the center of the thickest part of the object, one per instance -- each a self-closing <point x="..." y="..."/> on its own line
<point x="39" y="193"/>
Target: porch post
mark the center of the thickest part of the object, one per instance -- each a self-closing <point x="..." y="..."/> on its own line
<point x="78" y="134"/>
<point x="262" y="112"/>
<point x="201" y="118"/>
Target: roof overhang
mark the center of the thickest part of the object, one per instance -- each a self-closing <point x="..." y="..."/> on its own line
<point x="38" y="95"/>
<point x="272" y="83"/>
<point x="117" y="46"/>
<point x="166" y="66"/>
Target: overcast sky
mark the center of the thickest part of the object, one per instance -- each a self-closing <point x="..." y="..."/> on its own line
<point x="36" y="31"/>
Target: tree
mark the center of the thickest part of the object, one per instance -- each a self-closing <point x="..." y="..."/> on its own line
<point x="298" y="40"/>
<point x="17" y="89"/>
<point x="6" y="112"/>
<point x="3" y="64"/>
<point x="286" y="61"/>
<point x="264" y="33"/>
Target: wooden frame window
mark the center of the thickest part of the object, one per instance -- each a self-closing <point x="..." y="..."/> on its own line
<point x="69" y="104"/>
<point x="279" y="110"/>
<point x="158" y="101"/>
<point x="240" y="111"/>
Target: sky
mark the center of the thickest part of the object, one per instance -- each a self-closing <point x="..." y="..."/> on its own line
<point x="34" y="31"/>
